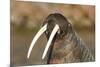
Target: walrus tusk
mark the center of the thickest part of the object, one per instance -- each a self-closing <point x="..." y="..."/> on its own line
<point x="40" y="32"/>
<point x="56" y="28"/>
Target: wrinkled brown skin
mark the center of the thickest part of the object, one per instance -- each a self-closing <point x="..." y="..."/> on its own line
<point x="66" y="47"/>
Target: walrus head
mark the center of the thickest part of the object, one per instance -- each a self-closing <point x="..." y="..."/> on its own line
<point x="56" y="26"/>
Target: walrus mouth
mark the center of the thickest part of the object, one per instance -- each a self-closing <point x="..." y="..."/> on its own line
<point x="39" y="33"/>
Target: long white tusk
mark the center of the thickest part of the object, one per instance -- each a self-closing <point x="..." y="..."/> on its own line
<point x="50" y="40"/>
<point x="40" y="32"/>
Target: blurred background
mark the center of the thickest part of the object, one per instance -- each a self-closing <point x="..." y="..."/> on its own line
<point x="27" y="18"/>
